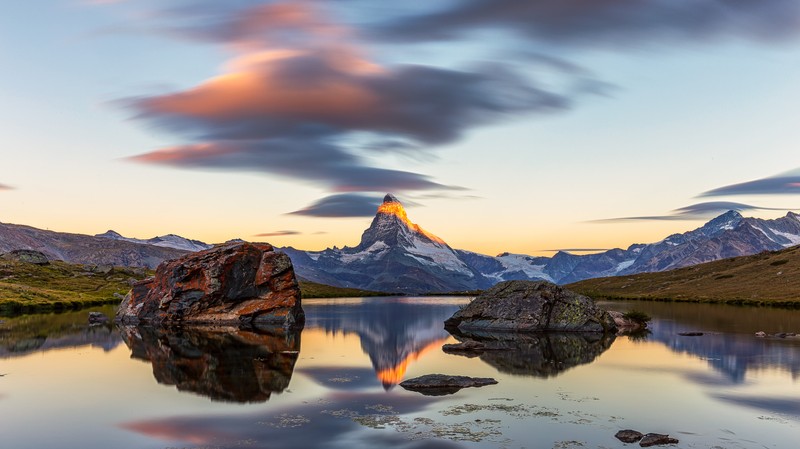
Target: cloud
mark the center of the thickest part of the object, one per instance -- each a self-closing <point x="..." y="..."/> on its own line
<point x="5" y="187"/>
<point x="307" y="114"/>
<point x="277" y="234"/>
<point x="609" y="23"/>
<point x="693" y="212"/>
<point x="342" y="205"/>
<point x="787" y="183"/>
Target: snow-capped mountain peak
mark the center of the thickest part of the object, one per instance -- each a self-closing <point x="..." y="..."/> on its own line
<point x="392" y="227"/>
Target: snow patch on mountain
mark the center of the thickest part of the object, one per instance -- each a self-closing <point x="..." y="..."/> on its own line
<point x="433" y="253"/>
<point x="523" y="263"/>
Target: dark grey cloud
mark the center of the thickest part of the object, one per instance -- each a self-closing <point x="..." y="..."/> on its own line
<point x="5" y="187"/>
<point x="278" y="233"/>
<point x="693" y="212"/>
<point x="782" y="184"/>
<point x="342" y="205"/>
<point x="608" y="23"/>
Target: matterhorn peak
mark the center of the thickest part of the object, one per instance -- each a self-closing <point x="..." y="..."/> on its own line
<point x="391" y="225"/>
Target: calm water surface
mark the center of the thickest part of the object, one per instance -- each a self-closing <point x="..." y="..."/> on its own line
<point x="64" y="384"/>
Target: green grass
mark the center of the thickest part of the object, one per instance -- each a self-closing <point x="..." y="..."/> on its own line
<point x="59" y="286"/>
<point x="310" y="289"/>
<point x="765" y="279"/>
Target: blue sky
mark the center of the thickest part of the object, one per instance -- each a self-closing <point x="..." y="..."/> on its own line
<point x="508" y="125"/>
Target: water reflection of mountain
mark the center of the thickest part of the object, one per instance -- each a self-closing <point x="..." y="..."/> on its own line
<point x="224" y="364"/>
<point x="543" y="355"/>
<point x="730" y="354"/>
<point x="29" y="334"/>
<point x="393" y="331"/>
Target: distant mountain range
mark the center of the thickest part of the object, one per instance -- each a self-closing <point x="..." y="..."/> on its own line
<point x="396" y="255"/>
<point x="164" y="241"/>
<point x="84" y="249"/>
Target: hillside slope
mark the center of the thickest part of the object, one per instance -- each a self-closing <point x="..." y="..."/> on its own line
<point x="768" y="278"/>
<point x="25" y="287"/>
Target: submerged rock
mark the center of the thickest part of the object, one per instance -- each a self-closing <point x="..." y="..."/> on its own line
<point x="27" y="256"/>
<point x="97" y="318"/>
<point x="626" y="325"/>
<point x="529" y="306"/>
<point x="629" y="436"/>
<point x="234" y="284"/>
<point x="657" y="439"/>
<point x="470" y="348"/>
<point x="690" y="334"/>
<point x="443" y="384"/>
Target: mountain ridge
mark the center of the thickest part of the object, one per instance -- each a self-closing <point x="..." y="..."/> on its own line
<point x="399" y="256"/>
<point x="395" y="254"/>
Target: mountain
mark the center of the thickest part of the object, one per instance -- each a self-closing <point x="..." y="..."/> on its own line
<point x="84" y="249"/>
<point x="165" y="241"/>
<point x="399" y="256"/>
<point x="394" y="255"/>
<point x="765" y="278"/>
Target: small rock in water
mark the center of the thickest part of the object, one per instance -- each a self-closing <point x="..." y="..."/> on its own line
<point x="629" y="436"/>
<point x="467" y="346"/>
<point x="690" y="334"/>
<point x="97" y="317"/>
<point x="443" y="384"/>
<point x="656" y="439"/>
<point x="781" y="335"/>
<point x="761" y="334"/>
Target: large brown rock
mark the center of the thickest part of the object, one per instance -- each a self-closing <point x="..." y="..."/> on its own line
<point x="530" y="306"/>
<point x="232" y="284"/>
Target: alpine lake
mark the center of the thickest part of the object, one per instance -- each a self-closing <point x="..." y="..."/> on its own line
<point x="66" y="384"/>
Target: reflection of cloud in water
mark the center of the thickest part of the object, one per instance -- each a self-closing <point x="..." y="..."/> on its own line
<point x="781" y="406"/>
<point x="225" y="364"/>
<point x="730" y="354"/>
<point x="341" y="378"/>
<point x="326" y="424"/>
<point x="393" y="331"/>
<point x="544" y="355"/>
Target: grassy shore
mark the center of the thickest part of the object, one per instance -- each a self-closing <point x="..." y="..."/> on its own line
<point x="28" y="288"/>
<point x="310" y="290"/>
<point x="60" y="286"/>
<point x="765" y="279"/>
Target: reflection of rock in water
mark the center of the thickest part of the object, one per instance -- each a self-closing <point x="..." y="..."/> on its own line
<point x="538" y="354"/>
<point x="225" y="364"/>
<point x="393" y="331"/>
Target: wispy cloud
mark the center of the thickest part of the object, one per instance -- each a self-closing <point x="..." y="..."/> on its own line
<point x="693" y="212"/>
<point x="342" y="205"/>
<point x="303" y="100"/>
<point x="278" y="233"/>
<point x="612" y="24"/>
<point x="5" y="187"/>
<point x="787" y="183"/>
